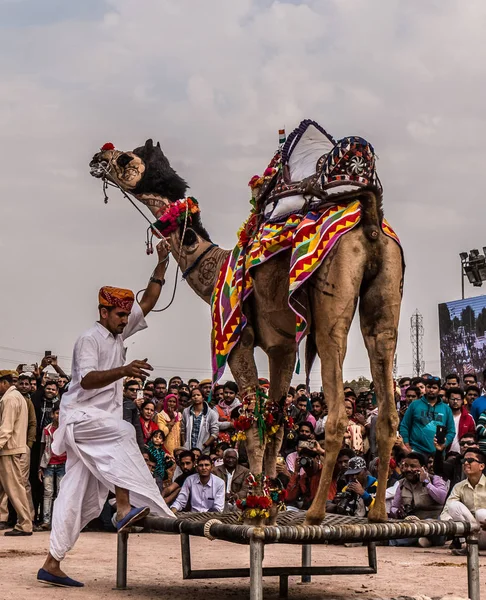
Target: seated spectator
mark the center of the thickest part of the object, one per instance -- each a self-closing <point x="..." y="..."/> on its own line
<point x="419" y="425"/>
<point x="146" y="420"/>
<point x="187" y="464"/>
<point x="163" y="460"/>
<point x="306" y="437"/>
<point x="341" y="466"/>
<point x="463" y="422"/>
<point x="205" y="491"/>
<point x="355" y="432"/>
<point x="358" y="495"/>
<point x="299" y="411"/>
<point x="52" y="468"/>
<point x="303" y="484"/>
<point x="219" y="453"/>
<point x="467" y="500"/>
<point x="227" y="410"/>
<point x="451" y="468"/>
<point x="199" y="424"/>
<point x="235" y="478"/>
<point x="418" y="494"/>
<point x="130" y="410"/>
<point x="169" y="421"/>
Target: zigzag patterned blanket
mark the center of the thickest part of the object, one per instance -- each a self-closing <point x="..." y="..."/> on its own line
<point x="310" y="238"/>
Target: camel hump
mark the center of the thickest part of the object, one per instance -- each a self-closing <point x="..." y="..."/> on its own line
<point x="371" y="213"/>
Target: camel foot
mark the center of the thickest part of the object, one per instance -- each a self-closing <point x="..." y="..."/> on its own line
<point x="377" y="515"/>
<point x="313" y="518"/>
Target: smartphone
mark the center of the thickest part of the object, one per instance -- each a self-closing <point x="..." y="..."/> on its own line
<point x="440" y="434"/>
<point x="139" y="394"/>
<point x="47" y="353"/>
<point x="28" y="368"/>
<point x="53" y="376"/>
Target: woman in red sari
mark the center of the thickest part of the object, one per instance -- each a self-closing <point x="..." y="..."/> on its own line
<point x="147" y="413"/>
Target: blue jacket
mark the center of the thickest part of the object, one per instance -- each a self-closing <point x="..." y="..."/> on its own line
<point x="419" y="425"/>
<point x="478" y="407"/>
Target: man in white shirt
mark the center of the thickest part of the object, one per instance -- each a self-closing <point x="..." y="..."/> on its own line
<point x="102" y="453"/>
<point x="205" y="491"/>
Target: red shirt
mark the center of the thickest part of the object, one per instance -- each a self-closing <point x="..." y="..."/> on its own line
<point x="47" y="437"/>
<point x="147" y="429"/>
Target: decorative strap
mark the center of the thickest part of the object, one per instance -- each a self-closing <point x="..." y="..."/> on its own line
<point x="207" y="528"/>
<point x="197" y="261"/>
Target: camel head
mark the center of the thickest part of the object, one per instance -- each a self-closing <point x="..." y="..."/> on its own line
<point x="146" y="174"/>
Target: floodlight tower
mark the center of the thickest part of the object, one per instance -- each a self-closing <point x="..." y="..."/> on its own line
<point x="416" y="337"/>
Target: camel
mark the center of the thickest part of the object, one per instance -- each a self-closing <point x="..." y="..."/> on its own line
<point x="363" y="265"/>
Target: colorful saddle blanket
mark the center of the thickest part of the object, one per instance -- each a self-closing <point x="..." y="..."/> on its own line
<point x="310" y="239"/>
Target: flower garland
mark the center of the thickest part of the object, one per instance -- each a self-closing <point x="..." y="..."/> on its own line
<point x="256" y="407"/>
<point x="254" y="505"/>
<point x="176" y="214"/>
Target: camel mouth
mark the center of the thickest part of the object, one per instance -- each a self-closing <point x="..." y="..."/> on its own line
<point x="98" y="169"/>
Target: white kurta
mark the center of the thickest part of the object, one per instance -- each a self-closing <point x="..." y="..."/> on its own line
<point x="101" y="447"/>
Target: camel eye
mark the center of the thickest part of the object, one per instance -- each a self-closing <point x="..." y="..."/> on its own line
<point x="123" y="160"/>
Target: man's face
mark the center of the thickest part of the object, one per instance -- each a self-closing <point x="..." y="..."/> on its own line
<point x="469" y="380"/>
<point x="219" y="395"/>
<point x="405" y="384"/>
<point x="465" y="443"/>
<point x="176" y="382"/>
<point x="302" y="405"/>
<point x="4" y="386"/>
<point x="114" y="320"/>
<point x="131" y="391"/>
<point x="305" y="433"/>
<point x="411" y="469"/>
<point x="194" y="384"/>
<point x="61" y="382"/>
<point x="455" y="402"/>
<point x="230" y="460"/>
<point x="432" y="391"/>
<point x="342" y="463"/>
<point x="410" y="396"/>
<point x="148" y="394"/>
<point x="33" y="385"/>
<point x="471" y="396"/>
<point x="229" y="395"/>
<point x="160" y="390"/>
<point x="361" y="477"/>
<point x="204" y="467"/>
<point x="317" y="409"/>
<point x="421" y="387"/>
<point x="23" y="385"/>
<point x="452" y="382"/>
<point x="472" y="465"/>
<point x="301" y="392"/>
<point x="186" y="464"/>
<point x="50" y="391"/>
<point x="206" y="389"/>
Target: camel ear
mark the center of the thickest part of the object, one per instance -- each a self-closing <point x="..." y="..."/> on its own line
<point x="123" y="160"/>
<point x="149" y="145"/>
<point x="158" y="146"/>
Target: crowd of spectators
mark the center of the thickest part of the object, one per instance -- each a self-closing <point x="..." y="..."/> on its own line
<point x="186" y="434"/>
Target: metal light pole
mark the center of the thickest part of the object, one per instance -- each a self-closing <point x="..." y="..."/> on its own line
<point x="463" y="257"/>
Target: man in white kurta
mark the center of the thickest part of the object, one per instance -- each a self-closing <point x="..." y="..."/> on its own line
<point x="102" y="453"/>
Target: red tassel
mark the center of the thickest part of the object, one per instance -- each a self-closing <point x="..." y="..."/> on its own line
<point x="107" y="146"/>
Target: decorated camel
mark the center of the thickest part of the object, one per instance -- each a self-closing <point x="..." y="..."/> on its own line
<point x="314" y="245"/>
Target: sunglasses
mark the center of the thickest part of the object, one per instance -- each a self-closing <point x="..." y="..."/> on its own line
<point x="469" y="461"/>
<point x="467" y="443"/>
<point x="132" y="389"/>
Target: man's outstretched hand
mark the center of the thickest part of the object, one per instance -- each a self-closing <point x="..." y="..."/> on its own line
<point x="138" y="368"/>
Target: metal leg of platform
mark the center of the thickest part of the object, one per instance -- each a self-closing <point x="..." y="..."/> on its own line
<point x="256" y="569"/>
<point x="283" y="588"/>
<point x="121" y="561"/>
<point x="186" y="556"/>
<point x="372" y="562"/>
<point x="306" y="561"/>
<point x="473" y="567"/>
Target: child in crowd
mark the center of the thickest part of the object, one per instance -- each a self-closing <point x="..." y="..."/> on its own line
<point x="162" y="459"/>
<point x="52" y="467"/>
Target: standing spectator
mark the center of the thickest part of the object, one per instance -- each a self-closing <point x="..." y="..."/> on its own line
<point x="160" y="391"/>
<point x="217" y="395"/>
<point x="470" y="379"/>
<point x="192" y="383"/>
<point x="467" y="501"/>
<point x="355" y="432"/>
<point x="463" y="422"/>
<point x="52" y="468"/>
<point x="235" y="478"/>
<point x="475" y="401"/>
<point x="205" y="491"/>
<point x="146" y="420"/>
<point x="226" y="407"/>
<point x="412" y="393"/>
<point x="162" y="459"/>
<point x="169" y="421"/>
<point x="319" y="412"/>
<point x="14" y="418"/>
<point x="205" y="386"/>
<point x="419" y="425"/>
<point x="62" y="384"/>
<point x="130" y="410"/>
<point x="175" y="381"/>
<point x="451" y="381"/>
<point x="299" y="411"/>
<point x="420" y="383"/>
<point x="199" y="424"/>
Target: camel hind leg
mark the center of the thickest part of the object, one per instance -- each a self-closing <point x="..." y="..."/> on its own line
<point x="379" y="315"/>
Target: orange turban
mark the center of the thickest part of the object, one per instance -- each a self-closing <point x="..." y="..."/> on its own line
<point x="112" y="296"/>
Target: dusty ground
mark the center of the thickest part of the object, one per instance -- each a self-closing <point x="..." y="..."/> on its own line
<point x="155" y="570"/>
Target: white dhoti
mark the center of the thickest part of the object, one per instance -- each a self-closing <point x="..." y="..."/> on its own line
<point x="101" y="453"/>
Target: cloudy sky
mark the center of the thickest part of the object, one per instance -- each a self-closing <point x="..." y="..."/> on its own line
<point x="213" y="81"/>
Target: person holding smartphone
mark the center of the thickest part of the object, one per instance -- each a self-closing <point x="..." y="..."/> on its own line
<point x="419" y="424"/>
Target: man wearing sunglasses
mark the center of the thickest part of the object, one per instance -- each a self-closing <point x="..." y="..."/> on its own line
<point x="451" y="469"/>
<point x="468" y="495"/>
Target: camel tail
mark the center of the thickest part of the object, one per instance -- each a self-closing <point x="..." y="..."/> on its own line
<point x="371" y="213"/>
<point x="310" y="356"/>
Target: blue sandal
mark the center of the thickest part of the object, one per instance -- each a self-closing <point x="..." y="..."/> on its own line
<point x="132" y="517"/>
<point x="44" y="576"/>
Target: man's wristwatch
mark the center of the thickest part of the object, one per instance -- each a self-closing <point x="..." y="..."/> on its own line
<point x="159" y="281"/>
